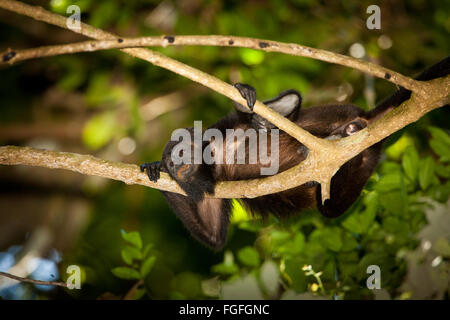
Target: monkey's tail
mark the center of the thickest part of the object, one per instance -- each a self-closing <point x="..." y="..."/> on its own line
<point x="438" y="70"/>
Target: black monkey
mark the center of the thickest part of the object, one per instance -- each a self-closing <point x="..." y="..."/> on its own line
<point x="208" y="218"/>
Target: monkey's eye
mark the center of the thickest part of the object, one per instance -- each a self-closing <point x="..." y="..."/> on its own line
<point x="171" y="163"/>
<point x="181" y="153"/>
<point x="352" y="128"/>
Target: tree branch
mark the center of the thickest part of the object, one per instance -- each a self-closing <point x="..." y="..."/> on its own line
<point x="12" y="56"/>
<point x="39" y="282"/>
<point x="319" y="166"/>
<point x="175" y="66"/>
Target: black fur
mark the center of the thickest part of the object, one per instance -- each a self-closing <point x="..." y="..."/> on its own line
<point x="207" y="218"/>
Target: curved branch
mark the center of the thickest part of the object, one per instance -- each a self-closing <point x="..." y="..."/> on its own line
<point x="175" y="66"/>
<point x="13" y="56"/>
<point x="319" y="166"/>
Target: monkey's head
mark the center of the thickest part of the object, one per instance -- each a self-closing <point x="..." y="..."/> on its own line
<point x="184" y="162"/>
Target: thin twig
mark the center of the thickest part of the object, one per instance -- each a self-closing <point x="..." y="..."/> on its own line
<point x="39" y="282"/>
<point x="130" y="294"/>
<point x="13" y="56"/>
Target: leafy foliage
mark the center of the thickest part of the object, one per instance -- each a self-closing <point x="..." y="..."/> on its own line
<point x="140" y="260"/>
<point x="400" y="222"/>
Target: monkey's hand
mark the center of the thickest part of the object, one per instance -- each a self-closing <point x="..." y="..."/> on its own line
<point x="153" y="170"/>
<point x="249" y="94"/>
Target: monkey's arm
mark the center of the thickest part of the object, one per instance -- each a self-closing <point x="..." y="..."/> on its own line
<point x="153" y="169"/>
<point x="207" y="220"/>
<point x="287" y="103"/>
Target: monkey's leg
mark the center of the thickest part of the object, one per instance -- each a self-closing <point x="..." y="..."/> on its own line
<point x="153" y="170"/>
<point x="207" y="220"/>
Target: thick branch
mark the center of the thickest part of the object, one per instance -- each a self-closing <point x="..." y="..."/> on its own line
<point x="182" y="69"/>
<point x="130" y="173"/>
<point x="319" y="166"/>
<point x="13" y="56"/>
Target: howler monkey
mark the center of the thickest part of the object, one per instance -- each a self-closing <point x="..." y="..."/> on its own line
<point x="207" y="218"/>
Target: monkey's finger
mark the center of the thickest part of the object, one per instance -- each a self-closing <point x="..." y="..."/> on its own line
<point x="149" y="174"/>
<point x="154" y="171"/>
<point x="251" y="98"/>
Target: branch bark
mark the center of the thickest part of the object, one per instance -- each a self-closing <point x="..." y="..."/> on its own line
<point x="319" y="166"/>
<point x="39" y="282"/>
<point x="12" y="56"/>
<point x="175" y="66"/>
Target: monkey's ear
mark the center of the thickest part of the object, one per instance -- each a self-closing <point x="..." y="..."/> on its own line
<point x="286" y="103"/>
<point x="207" y="220"/>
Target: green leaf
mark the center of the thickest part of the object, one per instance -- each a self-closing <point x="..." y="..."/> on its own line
<point x="249" y="256"/>
<point x="388" y="182"/>
<point x="440" y="135"/>
<point x="138" y="294"/>
<point x="349" y="242"/>
<point x="295" y="274"/>
<point x="331" y="238"/>
<point x="398" y="228"/>
<point x="147" y="266"/>
<point x="440" y="148"/>
<point x="126" y="273"/>
<point x="389" y="167"/>
<point x="132" y="237"/>
<point x="239" y="213"/>
<point x="442" y="170"/>
<point x="292" y="246"/>
<point x="426" y="172"/>
<point x="146" y="250"/>
<point x="251" y="57"/>
<point x="129" y="253"/>
<point x="360" y="221"/>
<point x="410" y="162"/>
<point x="278" y="237"/>
<point x="394" y="202"/>
<point x="396" y="150"/>
<point x="99" y="130"/>
<point x="228" y="266"/>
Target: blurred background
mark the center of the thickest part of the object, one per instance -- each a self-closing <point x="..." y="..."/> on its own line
<point x="127" y="241"/>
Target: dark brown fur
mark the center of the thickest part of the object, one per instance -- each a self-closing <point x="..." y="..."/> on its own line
<point x="208" y="218"/>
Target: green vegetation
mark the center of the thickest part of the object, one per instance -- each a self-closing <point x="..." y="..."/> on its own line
<point x="400" y="222"/>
